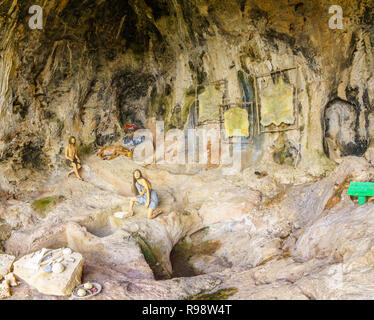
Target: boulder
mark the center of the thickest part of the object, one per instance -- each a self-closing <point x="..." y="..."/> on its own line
<point x="32" y="269"/>
<point x="228" y="203"/>
<point x="6" y="263"/>
<point x="4" y="290"/>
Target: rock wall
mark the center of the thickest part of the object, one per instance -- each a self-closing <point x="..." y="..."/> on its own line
<point x="98" y="65"/>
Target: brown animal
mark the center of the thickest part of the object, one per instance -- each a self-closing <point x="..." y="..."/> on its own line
<point x="111" y="152"/>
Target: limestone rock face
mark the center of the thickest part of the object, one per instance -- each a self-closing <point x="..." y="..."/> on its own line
<point x="342" y="234"/>
<point x="313" y="227"/>
<point x="233" y="203"/>
<point x="308" y="241"/>
<point x="4" y="290"/>
<point x="105" y="70"/>
<point x="60" y="284"/>
<point x="343" y="136"/>
<point x="369" y="155"/>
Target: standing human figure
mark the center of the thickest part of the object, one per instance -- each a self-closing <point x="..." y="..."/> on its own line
<point x="144" y="195"/>
<point x="71" y="153"/>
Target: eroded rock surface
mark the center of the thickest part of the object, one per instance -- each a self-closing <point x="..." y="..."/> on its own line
<point x="6" y="264"/>
<point x="318" y="247"/>
<point x="96" y="67"/>
<point x="284" y="228"/>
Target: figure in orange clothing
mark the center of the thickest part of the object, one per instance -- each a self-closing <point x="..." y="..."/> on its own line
<point x="111" y="152"/>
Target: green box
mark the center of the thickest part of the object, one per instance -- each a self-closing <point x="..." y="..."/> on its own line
<point x="362" y="190"/>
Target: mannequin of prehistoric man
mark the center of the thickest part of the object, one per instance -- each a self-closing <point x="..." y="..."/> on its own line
<point x="71" y="154"/>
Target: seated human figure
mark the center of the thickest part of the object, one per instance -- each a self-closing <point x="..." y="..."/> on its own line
<point x="144" y="195"/>
<point x="71" y="153"/>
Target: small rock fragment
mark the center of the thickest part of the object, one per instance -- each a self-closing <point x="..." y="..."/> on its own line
<point x="4" y="290"/>
<point x="11" y="279"/>
<point x="48" y="269"/>
<point x="58" y="267"/>
<point x="6" y="264"/>
<point x="67" y="251"/>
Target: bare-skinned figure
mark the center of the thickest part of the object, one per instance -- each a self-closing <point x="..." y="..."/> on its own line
<point x="144" y="195"/>
<point x="71" y="153"/>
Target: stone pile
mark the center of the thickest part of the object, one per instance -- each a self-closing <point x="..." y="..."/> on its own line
<point x="6" y="265"/>
<point x="52" y="272"/>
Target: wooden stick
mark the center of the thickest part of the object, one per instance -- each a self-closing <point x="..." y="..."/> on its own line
<point x="276" y="71"/>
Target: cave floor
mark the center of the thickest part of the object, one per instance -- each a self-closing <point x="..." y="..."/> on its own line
<point x="248" y="236"/>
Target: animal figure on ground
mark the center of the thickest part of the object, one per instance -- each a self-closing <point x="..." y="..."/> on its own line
<point x="111" y="152"/>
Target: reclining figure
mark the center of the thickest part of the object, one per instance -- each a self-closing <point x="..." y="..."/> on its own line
<point x="111" y="152"/>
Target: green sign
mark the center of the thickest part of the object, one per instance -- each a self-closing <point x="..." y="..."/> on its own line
<point x="362" y="190"/>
